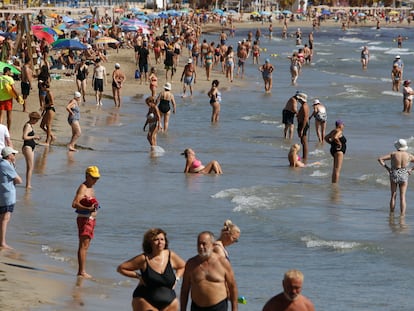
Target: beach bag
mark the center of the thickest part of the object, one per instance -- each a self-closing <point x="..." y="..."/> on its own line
<point x="137" y="74"/>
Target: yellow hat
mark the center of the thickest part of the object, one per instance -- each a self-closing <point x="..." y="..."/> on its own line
<point x="93" y="171"/>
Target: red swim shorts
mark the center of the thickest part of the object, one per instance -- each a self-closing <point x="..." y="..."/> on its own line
<point x="6" y="104"/>
<point x="86" y="226"/>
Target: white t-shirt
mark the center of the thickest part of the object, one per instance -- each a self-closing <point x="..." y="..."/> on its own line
<point x="4" y="133"/>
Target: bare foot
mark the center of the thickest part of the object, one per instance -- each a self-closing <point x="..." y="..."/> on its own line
<point x="85" y="275"/>
<point x="72" y="148"/>
<point x="5" y="246"/>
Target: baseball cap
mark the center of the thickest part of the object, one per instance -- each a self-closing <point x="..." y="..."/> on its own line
<point x="93" y="171"/>
<point x="8" y="151"/>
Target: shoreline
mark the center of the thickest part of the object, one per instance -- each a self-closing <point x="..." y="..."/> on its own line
<point x="39" y="287"/>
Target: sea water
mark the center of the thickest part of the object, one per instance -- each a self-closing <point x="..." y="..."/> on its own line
<point x="353" y="255"/>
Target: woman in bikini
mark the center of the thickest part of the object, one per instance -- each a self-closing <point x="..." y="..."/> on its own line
<point x="153" y="82"/>
<point x="194" y="165"/>
<point x="209" y="63"/>
<point x="29" y="145"/>
<point x="164" y="101"/>
<point x="160" y="270"/>
<point x="153" y="121"/>
<point x="48" y="115"/>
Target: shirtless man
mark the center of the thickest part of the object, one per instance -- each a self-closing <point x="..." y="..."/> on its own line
<point x="98" y="79"/>
<point x="291" y="298"/>
<point x="204" y="50"/>
<point x="223" y="37"/>
<point x="208" y="276"/>
<point x="399" y="173"/>
<point x="188" y="77"/>
<point x="242" y="58"/>
<point x="289" y="112"/>
<point x="303" y="124"/>
<point x="26" y="83"/>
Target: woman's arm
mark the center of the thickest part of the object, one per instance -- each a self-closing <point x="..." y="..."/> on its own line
<point x="128" y="268"/>
<point x="188" y="164"/>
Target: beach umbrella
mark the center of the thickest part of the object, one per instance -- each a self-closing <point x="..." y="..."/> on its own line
<point x="163" y="15"/>
<point x="218" y="11"/>
<point x="361" y="14"/>
<point x="106" y="40"/>
<point x="69" y="44"/>
<point x="10" y="35"/>
<point x="67" y="19"/>
<point x="286" y="12"/>
<point x="255" y="13"/>
<point x="326" y="12"/>
<point x="87" y="17"/>
<point x="143" y="17"/>
<point x="277" y="12"/>
<point x="393" y="13"/>
<point x="119" y="10"/>
<point x="231" y="12"/>
<point x="138" y="13"/>
<point x="340" y="12"/>
<point x="49" y="30"/>
<point x="40" y="34"/>
<point x="13" y="69"/>
<point x="265" y="13"/>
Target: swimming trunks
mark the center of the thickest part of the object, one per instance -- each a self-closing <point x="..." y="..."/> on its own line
<point x="335" y="147"/>
<point x="399" y="175"/>
<point x="98" y="85"/>
<point x="6" y="105"/>
<point x="221" y="306"/>
<point x="304" y="127"/>
<point x="164" y="105"/>
<point x="288" y="117"/>
<point x="158" y="286"/>
<point x="25" y="87"/>
<point x="86" y="226"/>
<point x="188" y="80"/>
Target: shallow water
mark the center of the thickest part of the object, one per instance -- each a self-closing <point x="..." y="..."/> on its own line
<point x="353" y="256"/>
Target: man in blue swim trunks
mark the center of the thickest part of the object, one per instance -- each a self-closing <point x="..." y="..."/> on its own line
<point x="188" y="77"/>
<point x="209" y="277"/>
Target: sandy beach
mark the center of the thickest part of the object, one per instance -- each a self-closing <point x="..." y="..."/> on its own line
<point x="38" y="285"/>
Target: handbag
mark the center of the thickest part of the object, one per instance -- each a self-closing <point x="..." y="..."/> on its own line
<point x="137" y="74"/>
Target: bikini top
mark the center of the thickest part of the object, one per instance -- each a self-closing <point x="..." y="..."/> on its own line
<point x="153" y="279"/>
<point x="196" y="163"/>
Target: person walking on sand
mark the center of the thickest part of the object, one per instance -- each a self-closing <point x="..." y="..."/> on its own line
<point x="86" y="206"/>
<point x="118" y="78"/>
<point x="73" y="119"/>
<point x="215" y="101"/>
<point x="337" y="141"/>
<point x="303" y="124"/>
<point x="288" y="116"/>
<point x="188" y="76"/>
<point x="408" y="95"/>
<point x="164" y="101"/>
<point x="98" y="79"/>
<point x="26" y="81"/>
<point x="398" y="172"/>
<point x="29" y="144"/>
<point x="319" y="112"/>
<point x="208" y="278"/>
<point x="266" y="69"/>
<point x="153" y="121"/>
<point x="291" y="298"/>
<point x="160" y="271"/>
<point x="7" y="93"/>
<point x="48" y="115"/>
<point x="153" y="82"/>
<point x="81" y="75"/>
<point x="8" y="179"/>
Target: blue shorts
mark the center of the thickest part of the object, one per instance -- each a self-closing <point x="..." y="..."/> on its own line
<point x="188" y="80"/>
<point x="7" y="208"/>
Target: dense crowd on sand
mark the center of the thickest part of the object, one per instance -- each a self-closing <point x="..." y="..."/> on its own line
<point x="155" y="61"/>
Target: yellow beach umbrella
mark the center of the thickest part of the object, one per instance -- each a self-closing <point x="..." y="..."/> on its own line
<point x="393" y="13"/>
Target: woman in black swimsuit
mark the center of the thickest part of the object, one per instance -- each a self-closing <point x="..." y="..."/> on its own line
<point x="163" y="101"/>
<point x="29" y="145"/>
<point x="338" y="148"/>
<point x="157" y="280"/>
<point x="48" y="115"/>
<point x="81" y="72"/>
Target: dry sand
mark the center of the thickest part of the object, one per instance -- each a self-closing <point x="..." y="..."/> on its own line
<point x="24" y="288"/>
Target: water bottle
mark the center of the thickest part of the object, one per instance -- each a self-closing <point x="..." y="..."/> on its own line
<point x="242" y="300"/>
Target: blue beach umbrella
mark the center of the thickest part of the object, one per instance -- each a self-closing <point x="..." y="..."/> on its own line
<point x="69" y="44"/>
<point x="286" y="12"/>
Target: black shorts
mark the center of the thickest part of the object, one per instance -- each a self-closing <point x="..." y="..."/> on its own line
<point x="98" y="85"/>
<point x="221" y="306"/>
<point x="288" y="117"/>
<point x="143" y="67"/>
<point x="25" y="86"/>
<point x="305" y="129"/>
